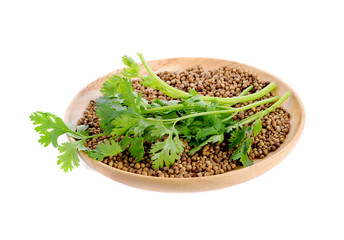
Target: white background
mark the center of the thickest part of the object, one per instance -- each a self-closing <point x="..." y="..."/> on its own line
<point x="51" y="49"/>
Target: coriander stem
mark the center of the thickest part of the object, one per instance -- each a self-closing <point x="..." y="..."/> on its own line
<point x="230" y="110"/>
<point x="176" y="93"/>
<point x="230" y="117"/>
<point x="240" y="99"/>
<point x="266" y="111"/>
<point x="246" y="91"/>
<point x="164" y="108"/>
<point x="181" y="106"/>
<point x="255" y="104"/>
<point x="98" y="135"/>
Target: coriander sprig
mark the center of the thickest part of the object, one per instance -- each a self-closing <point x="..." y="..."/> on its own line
<point x="124" y="114"/>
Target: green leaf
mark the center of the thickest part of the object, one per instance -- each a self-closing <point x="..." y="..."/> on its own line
<point x="106" y="114"/>
<point x="142" y="125"/>
<point x="128" y="95"/>
<point x="82" y="129"/>
<point x="105" y="149"/>
<point x="50" y="127"/>
<point x="165" y="153"/>
<point x="237" y="136"/>
<point x="108" y="108"/>
<point x="242" y="152"/>
<point x="257" y="127"/>
<point x="212" y="139"/>
<point x="212" y="106"/>
<point x="215" y="122"/>
<point x="109" y="148"/>
<point x="122" y="124"/>
<point x="231" y="125"/>
<point x="136" y="148"/>
<point x="110" y="86"/>
<point x="159" y="130"/>
<point x="123" y="87"/>
<point x="245" y="160"/>
<point x="97" y="155"/>
<point x="205" y="132"/>
<point x="195" y="100"/>
<point x="125" y="142"/>
<point x="68" y="158"/>
<point x="133" y="69"/>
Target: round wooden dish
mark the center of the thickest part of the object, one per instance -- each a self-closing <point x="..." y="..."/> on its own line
<point x="293" y="105"/>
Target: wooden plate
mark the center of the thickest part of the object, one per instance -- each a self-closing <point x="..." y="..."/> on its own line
<point x="293" y="105"/>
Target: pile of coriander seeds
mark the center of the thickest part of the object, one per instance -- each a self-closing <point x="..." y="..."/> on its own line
<point x="212" y="159"/>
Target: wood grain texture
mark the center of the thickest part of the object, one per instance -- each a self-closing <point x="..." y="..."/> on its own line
<point x="293" y="105"/>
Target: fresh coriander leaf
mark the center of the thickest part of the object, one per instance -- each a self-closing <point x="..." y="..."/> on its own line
<point x="166" y="152"/>
<point x="205" y="132"/>
<point x="195" y="100"/>
<point x="105" y="149"/>
<point x="109" y="148"/>
<point x="144" y="103"/>
<point x="113" y="101"/>
<point x="212" y="106"/>
<point x="142" y="125"/>
<point x="245" y="160"/>
<point x="50" y="127"/>
<point x="215" y="122"/>
<point x="257" y="127"/>
<point x="68" y="158"/>
<point x="122" y="124"/>
<point x="237" y="136"/>
<point x="129" y="95"/>
<point x="125" y="142"/>
<point x="133" y="69"/>
<point x="185" y="131"/>
<point x="110" y="86"/>
<point x="130" y="62"/>
<point x="123" y="87"/>
<point x="231" y="125"/>
<point x="82" y="129"/>
<point x="159" y="130"/>
<point x="213" y="139"/>
<point x="242" y="152"/>
<point x="97" y="155"/>
<point x="106" y="114"/>
<point x="136" y="148"/>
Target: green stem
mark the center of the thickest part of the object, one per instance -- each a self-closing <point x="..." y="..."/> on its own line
<point x="240" y="99"/>
<point x="176" y="93"/>
<point x="98" y="135"/>
<point x="164" y="108"/>
<point x="266" y="111"/>
<point x="181" y="106"/>
<point x="246" y="91"/>
<point x="231" y="110"/>
<point x="230" y="117"/>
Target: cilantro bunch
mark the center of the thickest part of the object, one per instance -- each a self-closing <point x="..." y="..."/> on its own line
<point x="125" y="115"/>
